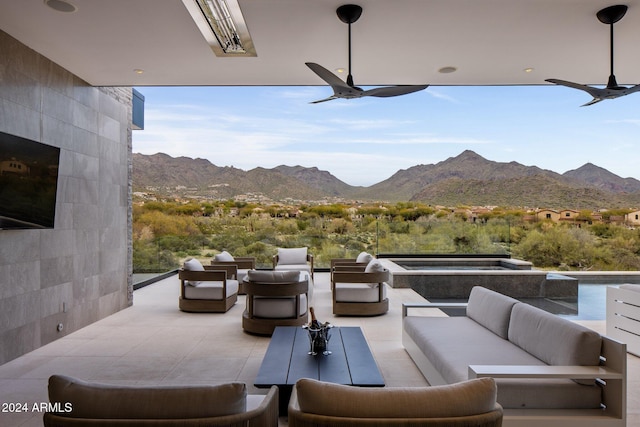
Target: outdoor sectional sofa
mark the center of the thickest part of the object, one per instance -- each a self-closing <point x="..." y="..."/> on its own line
<point x="549" y="371"/>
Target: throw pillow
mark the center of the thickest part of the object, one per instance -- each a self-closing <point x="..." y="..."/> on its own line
<point x="364" y="257"/>
<point x="374" y="266"/>
<point x="223" y="256"/>
<point x="192" y="264"/>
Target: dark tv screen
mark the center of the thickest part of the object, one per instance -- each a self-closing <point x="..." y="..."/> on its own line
<point x="28" y="183"/>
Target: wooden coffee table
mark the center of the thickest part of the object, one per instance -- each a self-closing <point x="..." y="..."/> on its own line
<point x="287" y="360"/>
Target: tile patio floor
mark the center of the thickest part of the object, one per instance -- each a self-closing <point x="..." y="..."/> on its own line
<point x="152" y="342"/>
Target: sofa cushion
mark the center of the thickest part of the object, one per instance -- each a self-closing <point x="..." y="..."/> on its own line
<point x="472" y="397"/>
<point x="100" y="401"/>
<point x="364" y="257"/>
<point x="288" y="256"/>
<point x="491" y="309"/>
<point x="211" y="290"/>
<point x="268" y="276"/>
<point x="454" y="343"/>
<point x="223" y="256"/>
<point x="552" y="339"/>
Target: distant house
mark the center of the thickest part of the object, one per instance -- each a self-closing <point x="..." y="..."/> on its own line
<point x="568" y="215"/>
<point x="547" y="214"/>
<point x="616" y="219"/>
<point x="632" y="218"/>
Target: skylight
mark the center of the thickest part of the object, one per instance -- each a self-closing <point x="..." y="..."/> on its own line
<point x="222" y="25"/>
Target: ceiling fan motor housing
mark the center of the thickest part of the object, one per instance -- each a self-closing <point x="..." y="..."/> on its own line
<point x="349" y="13"/>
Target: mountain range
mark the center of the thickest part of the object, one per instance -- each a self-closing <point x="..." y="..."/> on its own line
<point x="467" y="179"/>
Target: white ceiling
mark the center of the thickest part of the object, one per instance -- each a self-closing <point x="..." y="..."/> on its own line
<point x="490" y="42"/>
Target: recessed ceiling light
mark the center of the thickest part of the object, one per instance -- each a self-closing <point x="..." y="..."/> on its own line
<point x="340" y="70"/>
<point x="447" y="70"/>
<point x="528" y="70"/>
<point x="61" y="6"/>
<point x="138" y="71"/>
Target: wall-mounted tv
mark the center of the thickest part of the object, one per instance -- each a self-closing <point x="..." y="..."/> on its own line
<point x="28" y="183"/>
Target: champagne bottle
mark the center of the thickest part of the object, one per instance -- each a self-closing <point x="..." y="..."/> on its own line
<point x="314" y="322"/>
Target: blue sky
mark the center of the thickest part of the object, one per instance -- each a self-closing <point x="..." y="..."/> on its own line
<point x="364" y="141"/>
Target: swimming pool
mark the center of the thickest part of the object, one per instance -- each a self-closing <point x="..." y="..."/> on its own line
<point x="442" y="277"/>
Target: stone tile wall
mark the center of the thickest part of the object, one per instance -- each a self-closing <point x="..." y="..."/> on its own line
<point x="79" y="271"/>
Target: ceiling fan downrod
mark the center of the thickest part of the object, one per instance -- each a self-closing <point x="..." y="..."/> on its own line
<point x="610" y="15"/>
<point x="349" y="13"/>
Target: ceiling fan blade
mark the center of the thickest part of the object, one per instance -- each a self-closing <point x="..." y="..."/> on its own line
<point x="631" y="89"/>
<point x="326" y="75"/>
<point x="387" y="91"/>
<point x="593" y="91"/>
<point x="324" y="100"/>
<point x="598" y="94"/>
<point x="593" y="101"/>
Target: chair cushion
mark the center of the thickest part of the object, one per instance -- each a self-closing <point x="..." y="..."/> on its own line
<point x="102" y="401"/>
<point x="192" y="264"/>
<point x="278" y="307"/>
<point x="296" y="267"/>
<point x="223" y="256"/>
<point x="267" y="276"/>
<point x="467" y="398"/>
<point x="364" y="257"/>
<point x="211" y="290"/>
<point x="287" y="256"/>
<point x="491" y="309"/>
<point x="358" y="292"/>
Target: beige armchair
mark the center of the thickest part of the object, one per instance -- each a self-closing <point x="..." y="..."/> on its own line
<point x="80" y="403"/>
<point x="275" y="298"/>
<point x="242" y="264"/>
<point x="360" y="261"/>
<point x="297" y="259"/>
<point x="466" y="404"/>
<point x="207" y="289"/>
<point x="360" y="291"/>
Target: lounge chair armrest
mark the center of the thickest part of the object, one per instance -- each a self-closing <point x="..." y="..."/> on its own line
<point x="406" y="306"/>
<point x="544" y="371"/>
<point x="266" y="414"/>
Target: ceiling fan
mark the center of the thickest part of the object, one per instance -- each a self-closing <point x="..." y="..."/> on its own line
<point x="349" y="14"/>
<point x="609" y="15"/>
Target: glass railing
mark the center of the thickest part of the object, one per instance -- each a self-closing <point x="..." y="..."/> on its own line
<point x="326" y="239"/>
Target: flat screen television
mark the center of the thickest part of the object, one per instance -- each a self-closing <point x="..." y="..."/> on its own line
<point x="28" y="183"/>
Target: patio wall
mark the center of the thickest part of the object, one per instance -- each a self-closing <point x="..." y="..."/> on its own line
<point x="79" y="271"/>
